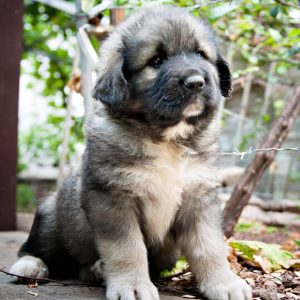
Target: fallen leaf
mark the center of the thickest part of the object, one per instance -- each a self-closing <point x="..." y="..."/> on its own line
<point x="269" y="257"/>
<point x="297" y="273"/>
<point x="277" y="281"/>
<point x="250" y="281"/>
<point x="292" y="296"/>
<point x="276" y="274"/>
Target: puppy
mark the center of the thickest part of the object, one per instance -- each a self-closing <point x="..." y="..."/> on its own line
<point x="145" y="191"/>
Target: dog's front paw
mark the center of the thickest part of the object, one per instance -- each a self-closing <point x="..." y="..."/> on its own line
<point x="29" y="266"/>
<point x="233" y="288"/>
<point x="131" y="289"/>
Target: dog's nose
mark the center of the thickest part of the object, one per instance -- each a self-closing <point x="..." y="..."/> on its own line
<point x="194" y="82"/>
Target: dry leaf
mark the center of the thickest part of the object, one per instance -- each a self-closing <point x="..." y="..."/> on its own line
<point x="250" y="281"/>
<point x="297" y="273"/>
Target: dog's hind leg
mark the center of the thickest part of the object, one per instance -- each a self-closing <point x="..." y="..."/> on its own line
<point x="164" y="257"/>
<point x="40" y="246"/>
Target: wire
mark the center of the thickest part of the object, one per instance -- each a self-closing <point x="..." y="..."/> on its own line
<point x="242" y="154"/>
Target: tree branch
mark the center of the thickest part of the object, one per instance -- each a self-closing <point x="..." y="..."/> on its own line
<point x="288" y="4"/>
<point x="262" y="160"/>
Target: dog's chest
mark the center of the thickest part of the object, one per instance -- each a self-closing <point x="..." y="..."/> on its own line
<point x="161" y="184"/>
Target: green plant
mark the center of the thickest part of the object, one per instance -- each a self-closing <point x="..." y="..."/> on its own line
<point x="180" y="265"/>
<point x="25" y="198"/>
<point x="261" y="32"/>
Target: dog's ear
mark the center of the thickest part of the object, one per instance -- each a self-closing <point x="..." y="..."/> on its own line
<point x="111" y="87"/>
<point x="224" y="76"/>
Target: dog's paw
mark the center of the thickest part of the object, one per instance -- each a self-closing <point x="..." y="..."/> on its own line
<point x="29" y="266"/>
<point x="233" y="288"/>
<point x="127" y="289"/>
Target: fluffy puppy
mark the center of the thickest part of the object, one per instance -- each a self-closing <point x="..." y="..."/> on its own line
<point x="145" y="191"/>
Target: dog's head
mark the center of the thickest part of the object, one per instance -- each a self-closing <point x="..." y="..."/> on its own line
<point x="162" y="67"/>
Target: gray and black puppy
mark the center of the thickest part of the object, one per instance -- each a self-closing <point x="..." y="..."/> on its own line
<point x="145" y="191"/>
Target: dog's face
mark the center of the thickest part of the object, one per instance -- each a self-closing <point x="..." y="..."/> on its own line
<point x="162" y="67"/>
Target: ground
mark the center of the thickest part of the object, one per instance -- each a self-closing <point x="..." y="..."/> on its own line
<point x="278" y="285"/>
<point x="9" y="245"/>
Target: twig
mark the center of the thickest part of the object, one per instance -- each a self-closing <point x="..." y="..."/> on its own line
<point x="176" y="291"/>
<point x="288" y="4"/>
<point x="208" y="3"/>
<point x="262" y="160"/>
<point x="47" y="280"/>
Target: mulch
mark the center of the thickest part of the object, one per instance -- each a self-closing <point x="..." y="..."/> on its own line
<point x="279" y="285"/>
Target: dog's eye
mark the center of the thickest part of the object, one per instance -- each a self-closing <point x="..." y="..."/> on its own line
<point x="201" y="53"/>
<point x="156" y="62"/>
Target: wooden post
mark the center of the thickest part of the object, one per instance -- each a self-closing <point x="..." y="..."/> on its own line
<point x="262" y="160"/>
<point x="11" y="47"/>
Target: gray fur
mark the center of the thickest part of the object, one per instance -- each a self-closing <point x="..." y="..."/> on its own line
<point x="145" y="191"/>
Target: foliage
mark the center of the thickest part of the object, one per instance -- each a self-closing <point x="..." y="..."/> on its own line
<point x="180" y="266"/>
<point x="246" y="227"/>
<point x="262" y="32"/>
<point x="255" y="228"/>
<point x="40" y="144"/>
<point x="49" y="49"/>
<point x="269" y="257"/>
<point x="25" y="198"/>
<point x="49" y="46"/>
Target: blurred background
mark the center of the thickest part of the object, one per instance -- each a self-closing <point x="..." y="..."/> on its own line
<point x="259" y="39"/>
<point x="48" y="59"/>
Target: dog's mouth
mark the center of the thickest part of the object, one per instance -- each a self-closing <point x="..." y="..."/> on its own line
<point x="193" y="109"/>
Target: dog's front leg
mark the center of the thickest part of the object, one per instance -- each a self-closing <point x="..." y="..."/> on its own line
<point x="119" y="240"/>
<point x="201" y="239"/>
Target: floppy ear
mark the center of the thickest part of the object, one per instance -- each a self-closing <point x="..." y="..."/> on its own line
<point x="224" y="76"/>
<point x="111" y="87"/>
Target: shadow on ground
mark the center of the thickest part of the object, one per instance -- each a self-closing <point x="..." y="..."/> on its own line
<point x="9" y="245"/>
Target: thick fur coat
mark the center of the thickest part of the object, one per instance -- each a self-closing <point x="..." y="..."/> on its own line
<point x="145" y="191"/>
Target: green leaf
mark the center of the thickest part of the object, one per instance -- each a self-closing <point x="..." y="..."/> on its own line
<point x="278" y="107"/>
<point x="87" y="4"/>
<point x="297" y="243"/>
<point x="266" y="118"/>
<point x="274" y="11"/>
<point x="271" y="229"/>
<point x="294" y="32"/>
<point x="253" y="59"/>
<point x="275" y="34"/>
<point x="224" y="9"/>
<point x="181" y="265"/>
<point x="281" y="69"/>
<point x="269" y="257"/>
<point x="245" y="227"/>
